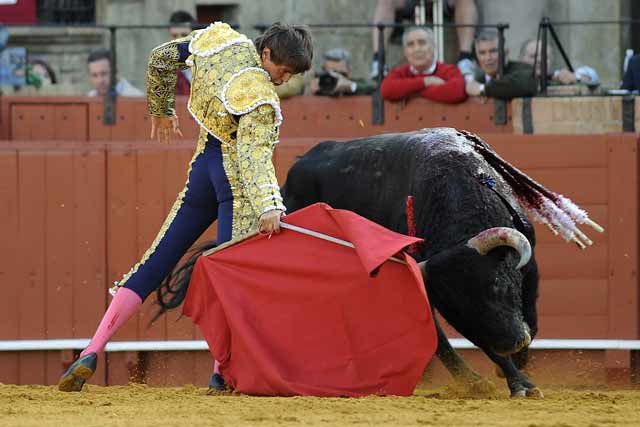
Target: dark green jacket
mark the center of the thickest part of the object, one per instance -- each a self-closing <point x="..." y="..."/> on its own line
<point x="516" y="82"/>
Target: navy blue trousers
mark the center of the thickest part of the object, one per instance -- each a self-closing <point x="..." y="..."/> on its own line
<point x="206" y="197"/>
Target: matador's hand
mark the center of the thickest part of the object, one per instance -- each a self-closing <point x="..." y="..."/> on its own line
<point x="269" y="222"/>
<point x="162" y="126"/>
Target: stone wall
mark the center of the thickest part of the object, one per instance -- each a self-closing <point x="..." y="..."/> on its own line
<point x="571" y="115"/>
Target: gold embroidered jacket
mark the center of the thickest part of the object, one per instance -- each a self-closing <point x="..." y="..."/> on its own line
<point x="232" y="98"/>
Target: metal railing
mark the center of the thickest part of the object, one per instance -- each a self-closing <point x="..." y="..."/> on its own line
<point x="546" y="29"/>
<point x="377" y="100"/>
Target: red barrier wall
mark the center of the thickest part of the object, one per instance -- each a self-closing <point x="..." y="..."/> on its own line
<point x="81" y="201"/>
<point x="81" y="118"/>
<point x="76" y="216"/>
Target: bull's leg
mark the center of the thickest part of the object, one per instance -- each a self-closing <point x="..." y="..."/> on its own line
<point x="451" y="360"/>
<point x="519" y="384"/>
<point x="529" y="298"/>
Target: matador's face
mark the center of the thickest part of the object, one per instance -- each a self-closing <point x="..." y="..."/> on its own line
<point x="280" y="73"/>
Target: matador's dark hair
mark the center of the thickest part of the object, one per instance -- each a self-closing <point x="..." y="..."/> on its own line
<point x="291" y="45"/>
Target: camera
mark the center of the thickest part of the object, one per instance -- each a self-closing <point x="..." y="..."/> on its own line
<point x="326" y="83"/>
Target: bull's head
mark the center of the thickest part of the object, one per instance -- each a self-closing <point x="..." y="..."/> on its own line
<point x="477" y="286"/>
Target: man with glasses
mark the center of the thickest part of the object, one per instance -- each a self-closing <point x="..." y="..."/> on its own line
<point x="516" y="81"/>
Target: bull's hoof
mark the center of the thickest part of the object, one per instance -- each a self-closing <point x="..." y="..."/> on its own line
<point x="535" y="393"/>
<point x="519" y="393"/>
<point x="530" y="393"/>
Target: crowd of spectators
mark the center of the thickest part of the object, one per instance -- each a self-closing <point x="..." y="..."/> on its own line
<point x="476" y="72"/>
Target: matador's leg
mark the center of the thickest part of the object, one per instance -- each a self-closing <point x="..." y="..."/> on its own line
<point x="193" y="211"/>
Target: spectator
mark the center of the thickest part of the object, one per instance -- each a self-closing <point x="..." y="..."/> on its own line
<point x="335" y="78"/>
<point x="181" y="25"/>
<point x="40" y="74"/>
<point x="517" y="79"/>
<point x="423" y="75"/>
<point x="100" y="76"/>
<point x="464" y="12"/>
<point x="631" y="79"/>
<point x="583" y="74"/>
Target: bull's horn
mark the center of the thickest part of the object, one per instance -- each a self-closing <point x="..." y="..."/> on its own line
<point x="490" y="239"/>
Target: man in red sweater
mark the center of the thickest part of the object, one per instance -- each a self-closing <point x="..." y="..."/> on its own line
<point x="423" y="75"/>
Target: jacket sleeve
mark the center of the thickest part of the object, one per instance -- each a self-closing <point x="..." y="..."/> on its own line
<point x="519" y="82"/>
<point x="628" y="81"/>
<point x="395" y="87"/>
<point x="257" y="136"/>
<point x="450" y="92"/>
<point x="164" y="61"/>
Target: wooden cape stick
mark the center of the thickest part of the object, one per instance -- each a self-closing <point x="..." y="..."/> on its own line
<point x="293" y="228"/>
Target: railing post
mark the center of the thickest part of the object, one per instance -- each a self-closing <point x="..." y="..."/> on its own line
<point x="543" y="55"/>
<point x="501" y="56"/>
<point x="376" y="98"/>
<point x="109" y="115"/>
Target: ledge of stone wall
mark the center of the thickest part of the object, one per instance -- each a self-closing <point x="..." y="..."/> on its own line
<point x="573" y="115"/>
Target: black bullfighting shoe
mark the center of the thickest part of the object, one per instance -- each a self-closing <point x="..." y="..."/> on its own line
<point x="217" y="385"/>
<point x="79" y="372"/>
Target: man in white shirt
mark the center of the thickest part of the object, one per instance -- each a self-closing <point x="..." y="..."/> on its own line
<point x="99" y="63"/>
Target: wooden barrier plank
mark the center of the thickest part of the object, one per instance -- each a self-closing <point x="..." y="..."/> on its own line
<point x="118" y="372"/>
<point x="151" y="213"/>
<point x="9" y="367"/>
<point x="89" y="241"/>
<point x="122" y="252"/>
<point x="59" y="243"/>
<point x="203" y="368"/>
<point x="98" y="131"/>
<point x="573" y="297"/>
<point x="287" y="153"/>
<point x="9" y="272"/>
<point x="329" y="116"/>
<point x="32" y="368"/>
<point x="31" y="245"/>
<point x="132" y="122"/>
<point x="623" y="246"/>
<point x="571" y="182"/>
<point x="551" y="151"/>
<point x="564" y="261"/>
<point x="175" y="368"/>
<point x="576" y="327"/>
<point x="32" y="121"/>
<point x="70" y="121"/>
<point x="5" y="119"/>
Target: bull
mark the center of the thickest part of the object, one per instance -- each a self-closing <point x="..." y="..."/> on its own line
<point x="478" y="258"/>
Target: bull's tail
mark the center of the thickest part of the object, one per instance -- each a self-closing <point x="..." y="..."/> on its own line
<point x="174" y="287"/>
<point x="554" y="210"/>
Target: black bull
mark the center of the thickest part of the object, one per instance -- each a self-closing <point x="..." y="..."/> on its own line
<point x="481" y="292"/>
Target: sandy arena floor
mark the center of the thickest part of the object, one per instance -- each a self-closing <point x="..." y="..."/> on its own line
<point x="190" y="406"/>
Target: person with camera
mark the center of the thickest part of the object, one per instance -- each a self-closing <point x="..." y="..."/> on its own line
<point x="335" y="77"/>
<point x="423" y="76"/>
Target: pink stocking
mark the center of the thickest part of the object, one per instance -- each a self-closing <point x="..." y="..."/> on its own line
<point x="124" y="305"/>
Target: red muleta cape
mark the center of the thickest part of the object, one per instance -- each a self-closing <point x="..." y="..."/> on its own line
<point x="298" y="315"/>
